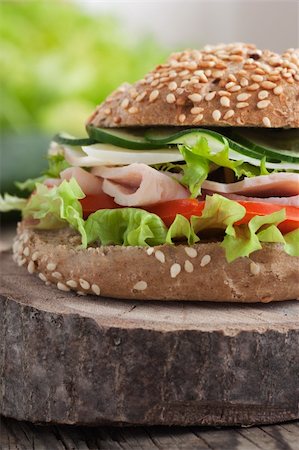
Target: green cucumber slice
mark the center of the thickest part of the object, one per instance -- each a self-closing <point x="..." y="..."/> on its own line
<point x="279" y="144"/>
<point x="127" y="138"/>
<point x="67" y="140"/>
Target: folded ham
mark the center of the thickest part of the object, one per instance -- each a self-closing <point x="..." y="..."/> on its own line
<point x="273" y="185"/>
<point x="139" y="185"/>
<point x="90" y="184"/>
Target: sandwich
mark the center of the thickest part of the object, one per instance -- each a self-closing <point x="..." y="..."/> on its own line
<point x="186" y="186"/>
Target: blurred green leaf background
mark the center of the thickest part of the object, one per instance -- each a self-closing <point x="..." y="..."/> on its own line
<point x="57" y="63"/>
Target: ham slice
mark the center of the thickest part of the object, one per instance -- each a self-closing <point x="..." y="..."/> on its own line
<point x="275" y="184"/>
<point x="286" y="201"/>
<point x="139" y="185"/>
<point x="90" y="184"/>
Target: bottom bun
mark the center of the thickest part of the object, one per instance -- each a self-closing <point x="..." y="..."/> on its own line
<point x="199" y="272"/>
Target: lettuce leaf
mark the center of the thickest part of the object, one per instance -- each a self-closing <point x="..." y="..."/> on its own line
<point x="181" y="228"/>
<point x="55" y="207"/>
<point x="219" y="213"/>
<point x="11" y="203"/>
<point x="291" y="240"/>
<point x="242" y="240"/>
<point x="198" y="163"/>
<point x="125" y="226"/>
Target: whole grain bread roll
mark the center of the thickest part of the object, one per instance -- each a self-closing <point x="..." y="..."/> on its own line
<point x="179" y="272"/>
<point x="224" y="85"/>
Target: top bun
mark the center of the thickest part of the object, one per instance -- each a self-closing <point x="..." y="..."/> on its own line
<point x="224" y="85"/>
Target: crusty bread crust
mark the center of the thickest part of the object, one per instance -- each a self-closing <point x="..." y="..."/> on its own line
<point x="179" y="272"/>
<point x="226" y="85"/>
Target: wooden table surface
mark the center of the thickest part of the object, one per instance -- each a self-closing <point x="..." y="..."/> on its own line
<point x="24" y="435"/>
<point x="15" y="435"/>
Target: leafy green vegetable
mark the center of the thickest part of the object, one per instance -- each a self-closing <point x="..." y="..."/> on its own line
<point x="11" y="203"/>
<point x="181" y="228"/>
<point x="57" y="206"/>
<point x="292" y="243"/>
<point x="242" y="240"/>
<point x="125" y="226"/>
<point x="219" y="213"/>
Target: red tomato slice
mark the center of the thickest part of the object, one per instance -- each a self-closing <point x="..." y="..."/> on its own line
<point x="92" y="203"/>
<point x="191" y="207"/>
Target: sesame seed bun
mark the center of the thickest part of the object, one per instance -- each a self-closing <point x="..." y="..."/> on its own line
<point x="199" y="272"/>
<point x="225" y="85"/>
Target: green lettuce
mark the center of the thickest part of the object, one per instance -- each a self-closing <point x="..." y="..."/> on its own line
<point x="242" y="240"/>
<point x="181" y="228"/>
<point x="291" y="240"/>
<point x="125" y="226"/>
<point x="12" y="203"/>
<point x="219" y="213"/>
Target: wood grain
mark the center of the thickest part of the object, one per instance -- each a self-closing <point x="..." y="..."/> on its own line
<point x="86" y="360"/>
<point x="23" y="435"/>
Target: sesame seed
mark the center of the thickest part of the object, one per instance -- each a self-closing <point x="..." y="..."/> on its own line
<point x="253" y="87"/>
<point x="241" y="105"/>
<point x="80" y="293"/>
<point x="140" y="286"/>
<point x="210" y="96"/>
<point x="31" y="267"/>
<point x="141" y="96"/>
<point x="184" y="83"/>
<point x="125" y="103"/>
<point x="35" y="256"/>
<point x="96" y="289"/>
<point x="235" y="88"/>
<point x="268" y="85"/>
<point x="160" y="256"/>
<point x="182" y="118"/>
<point x="191" y="252"/>
<point x="155" y="83"/>
<point x="153" y="95"/>
<point x="62" y="287"/>
<point x="224" y="94"/>
<point x="244" y="82"/>
<point x="262" y="95"/>
<point x="232" y="77"/>
<point x="107" y="111"/>
<point x="267" y="122"/>
<point x="72" y="283"/>
<point x="196" y="110"/>
<point x="263" y="104"/>
<point x="278" y="90"/>
<point x="172" y="86"/>
<point x="21" y="261"/>
<point x="26" y="251"/>
<point x="257" y="78"/>
<point x="196" y="98"/>
<point x="229" y="114"/>
<point x="175" y="270"/>
<point x="51" y="266"/>
<point x="42" y="277"/>
<point x="84" y="284"/>
<point x="150" y="250"/>
<point x="225" y="101"/>
<point x="179" y="91"/>
<point x="56" y="275"/>
<point x="170" y="98"/>
<point x="243" y="97"/>
<point x="26" y="238"/>
<point x="205" y="260"/>
<point x="216" y="114"/>
<point x="230" y="84"/>
<point x="198" y="118"/>
<point x="188" y="266"/>
<point x="133" y="110"/>
<point x="184" y="72"/>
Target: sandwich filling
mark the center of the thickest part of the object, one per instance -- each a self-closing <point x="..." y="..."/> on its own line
<point x="158" y="186"/>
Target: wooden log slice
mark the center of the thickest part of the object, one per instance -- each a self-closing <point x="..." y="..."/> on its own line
<point x="92" y="360"/>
